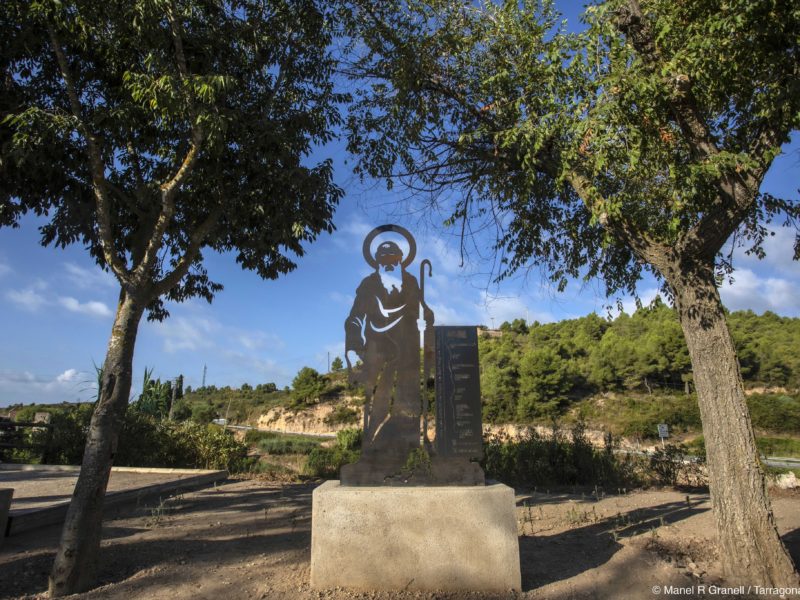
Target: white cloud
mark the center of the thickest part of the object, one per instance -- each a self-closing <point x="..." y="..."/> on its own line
<point x="201" y="331"/>
<point x="646" y="297"/>
<point x="779" y="250"/>
<point x="256" y="367"/>
<point x="28" y="299"/>
<point x="497" y="309"/>
<point x="447" y="315"/>
<point x="335" y="349"/>
<point x="93" y="308"/>
<point x="254" y="340"/>
<point x="751" y="291"/>
<point x="356" y="227"/>
<point x="68" y="375"/>
<point x="351" y="234"/>
<point x="444" y="259"/>
<point x="23" y="386"/>
<point x="181" y="333"/>
<point x="17" y="377"/>
<point x="83" y="278"/>
<point x="32" y="298"/>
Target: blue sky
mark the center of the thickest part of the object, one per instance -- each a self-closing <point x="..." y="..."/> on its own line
<point x="56" y="306"/>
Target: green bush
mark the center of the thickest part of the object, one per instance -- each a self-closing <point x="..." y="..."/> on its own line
<point x="281" y="443"/>
<point x="537" y="461"/>
<point x="349" y="439"/>
<point x="203" y="413"/>
<point x="307" y="386"/>
<point x="290" y="445"/>
<point x="64" y="442"/>
<point x="147" y="442"/>
<point x="672" y="465"/>
<point x="665" y="463"/>
<point x="326" y="462"/>
<point x="768" y="446"/>
<point x="342" y="415"/>
<point x="775" y="412"/>
<point x="182" y="411"/>
<point x="772" y="446"/>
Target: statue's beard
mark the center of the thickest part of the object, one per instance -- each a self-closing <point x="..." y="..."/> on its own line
<point x="390" y="280"/>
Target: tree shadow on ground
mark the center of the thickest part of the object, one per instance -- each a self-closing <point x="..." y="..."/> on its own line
<point x="267" y="520"/>
<point x="540" y="497"/>
<point x="588" y="547"/>
<point x="792" y="541"/>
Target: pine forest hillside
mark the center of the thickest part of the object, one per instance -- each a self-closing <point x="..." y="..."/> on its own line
<point x="540" y="371"/>
<point x="621" y="375"/>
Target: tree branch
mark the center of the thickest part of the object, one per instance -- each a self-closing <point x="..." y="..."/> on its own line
<point x="196" y="240"/>
<point x="717" y="224"/>
<point x="737" y="191"/>
<point x="642" y="245"/>
<point x="137" y="170"/>
<point x="170" y="188"/>
<point x="633" y="24"/>
<point x="96" y="167"/>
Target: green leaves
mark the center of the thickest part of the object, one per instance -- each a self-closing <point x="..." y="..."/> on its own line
<point x="248" y="83"/>
<point x="581" y="145"/>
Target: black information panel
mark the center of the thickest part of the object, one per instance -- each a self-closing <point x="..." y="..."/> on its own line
<point x="458" y="392"/>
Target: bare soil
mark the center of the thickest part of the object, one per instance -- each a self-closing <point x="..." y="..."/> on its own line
<point x="251" y="539"/>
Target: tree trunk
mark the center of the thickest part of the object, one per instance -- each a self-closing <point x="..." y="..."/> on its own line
<point x="76" y="559"/>
<point x="751" y="550"/>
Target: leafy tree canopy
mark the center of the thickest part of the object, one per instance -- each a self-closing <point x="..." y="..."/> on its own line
<point x="307" y="386"/>
<point x="650" y="130"/>
<point x="146" y="130"/>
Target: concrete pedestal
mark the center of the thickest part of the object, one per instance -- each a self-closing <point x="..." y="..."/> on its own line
<point x="423" y="538"/>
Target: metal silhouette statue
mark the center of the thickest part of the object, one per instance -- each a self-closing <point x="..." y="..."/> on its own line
<point x="383" y="331"/>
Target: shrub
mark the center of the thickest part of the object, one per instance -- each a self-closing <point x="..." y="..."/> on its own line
<point x="671" y="465"/>
<point x="281" y="443"/>
<point x="349" y="439"/>
<point x="537" y="461"/>
<point x="326" y="462"/>
<point x="145" y="441"/>
<point x="181" y="411"/>
<point x="68" y="435"/>
<point x="288" y="445"/>
<point x="307" y="386"/>
<point x="768" y="446"/>
<point x="775" y="412"/>
<point x="203" y="413"/>
<point x="342" y="415"/>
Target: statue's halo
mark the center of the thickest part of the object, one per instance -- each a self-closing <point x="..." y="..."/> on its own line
<point x="367" y="247"/>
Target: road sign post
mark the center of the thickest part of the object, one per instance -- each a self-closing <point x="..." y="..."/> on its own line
<point x="663" y="432"/>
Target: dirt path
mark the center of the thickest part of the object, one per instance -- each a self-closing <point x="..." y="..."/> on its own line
<point x="251" y="539"/>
